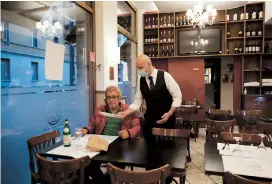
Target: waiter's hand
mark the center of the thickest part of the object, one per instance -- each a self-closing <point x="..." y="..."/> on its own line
<point x="122" y="115"/>
<point x="165" y="117"/>
<point x="124" y="134"/>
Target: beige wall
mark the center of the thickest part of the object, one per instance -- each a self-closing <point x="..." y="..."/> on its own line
<point x="226" y="88"/>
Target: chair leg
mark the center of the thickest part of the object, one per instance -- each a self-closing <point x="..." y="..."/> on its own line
<point x="188" y="149"/>
<point x="182" y="180"/>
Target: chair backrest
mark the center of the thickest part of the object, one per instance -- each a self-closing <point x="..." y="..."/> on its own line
<point x="190" y="102"/>
<point x="67" y="171"/>
<point x="230" y="178"/>
<point x="220" y="126"/>
<point x="219" y="112"/>
<point x="246" y="138"/>
<point x="36" y="143"/>
<point x="138" y="177"/>
<point x="174" y="133"/>
<point x="258" y="113"/>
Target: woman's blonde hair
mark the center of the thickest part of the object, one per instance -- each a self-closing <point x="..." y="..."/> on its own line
<point x="113" y="88"/>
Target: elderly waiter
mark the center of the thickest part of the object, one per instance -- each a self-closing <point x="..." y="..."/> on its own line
<point x="161" y="94"/>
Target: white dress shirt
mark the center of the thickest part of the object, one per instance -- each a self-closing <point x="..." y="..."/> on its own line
<point x="171" y="86"/>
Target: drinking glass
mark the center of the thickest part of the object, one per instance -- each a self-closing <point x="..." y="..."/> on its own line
<point x="78" y="135"/>
<point x="237" y="151"/>
<point x="262" y="144"/>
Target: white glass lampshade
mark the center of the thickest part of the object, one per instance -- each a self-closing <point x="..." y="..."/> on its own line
<point x="38" y="25"/>
<point x="214" y="12"/>
<point x="189" y="12"/>
<point x="209" y="8"/>
<point x="46" y="23"/>
<point x="57" y="25"/>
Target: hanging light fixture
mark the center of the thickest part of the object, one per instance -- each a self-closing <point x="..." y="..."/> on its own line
<point x="50" y="27"/>
<point x="197" y="16"/>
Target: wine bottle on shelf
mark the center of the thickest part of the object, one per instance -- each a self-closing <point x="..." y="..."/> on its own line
<point x="260" y="33"/>
<point x="234" y="16"/>
<point x="156" y="40"/>
<point x="236" y="48"/>
<point x="161" y="23"/>
<point x="180" y="20"/>
<point x="184" y="20"/>
<point x="247" y="15"/>
<point x="156" y="22"/>
<point x="253" y="16"/>
<point x="169" y="21"/>
<point x="259" y="47"/>
<point x="149" y="38"/>
<point x="227" y="16"/>
<point x="164" y="36"/>
<point x="169" y="36"/>
<point x="149" y="23"/>
<point x="240" y="32"/>
<point x="152" y="37"/>
<point x="248" y="32"/>
<point x="253" y="48"/>
<point x="167" y="51"/>
<point x="173" y="21"/>
<point x="228" y="33"/>
<point x="145" y="37"/>
<point x="247" y="47"/>
<point x="240" y="48"/>
<point x="242" y="15"/>
<point x="153" y="52"/>
<point x="177" y="21"/>
<point x="164" y="21"/>
<point x="266" y="48"/>
<point x="172" y="36"/>
<point x="172" y="50"/>
<point x="227" y="50"/>
<point x="261" y="14"/>
<point x="161" y="37"/>
<point x="153" y="22"/>
<point x="156" y="53"/>
<point x="162" y="51"/>
<point x="146" y="51"/>
<point x="146" y="23"/>
<point x="253" y="33"/>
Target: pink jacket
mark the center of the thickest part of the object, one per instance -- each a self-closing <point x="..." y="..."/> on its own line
<point x="130" y="123"/>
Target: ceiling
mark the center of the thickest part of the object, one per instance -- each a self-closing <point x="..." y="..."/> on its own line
<point x="178" y="6"/>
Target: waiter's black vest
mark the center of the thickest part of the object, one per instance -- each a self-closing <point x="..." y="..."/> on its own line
<point x="158" y="102"/>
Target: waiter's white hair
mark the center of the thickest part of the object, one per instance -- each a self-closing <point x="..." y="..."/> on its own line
<point x="114" y="88"/>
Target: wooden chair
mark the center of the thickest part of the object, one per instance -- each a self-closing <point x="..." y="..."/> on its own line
<point x="188" y="116"/>
<point x="228" y="137"/>
<point x="266" y="128"/>
<point x="247" y="119"/>
<point x="162" y="133"/>
<point x="67" y="171"/>
<point x="36" y="143"/>
<point x="119" y="176"/>
<point x="219" y="115"/>
<point x="215" y="128"/>
<point x="230" y="178"/>
<point x="246" y="138"/>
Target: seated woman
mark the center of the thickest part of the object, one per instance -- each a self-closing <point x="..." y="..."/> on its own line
<point x="99" y="124"/>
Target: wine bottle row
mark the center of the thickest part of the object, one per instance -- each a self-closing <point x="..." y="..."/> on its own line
<point x="166" y="36"/>
<point x="249" y="32"/>
<point x="253" y="47"/>
<point x="151" y="37"/>
<point x="242" y="15"/>
<point x="181" y="22"/>
<point x="151" y="51"/>
<point x="151" y="22"/>
<point x="166" y="21"/>
<point x="167" y="51"/>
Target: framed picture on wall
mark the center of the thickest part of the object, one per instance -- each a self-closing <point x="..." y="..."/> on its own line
<point x="231" y="76"/>
<point x="225" y="78"/>
<point x="230" y="67"/>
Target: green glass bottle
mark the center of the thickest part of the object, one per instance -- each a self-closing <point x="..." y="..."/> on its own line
<point x="66" y="134"/>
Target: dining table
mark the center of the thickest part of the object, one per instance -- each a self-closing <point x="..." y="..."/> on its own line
<point x="131" y="152"/>
<point x="214" y="162"/>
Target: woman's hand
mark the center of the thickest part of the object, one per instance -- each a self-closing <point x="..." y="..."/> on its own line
<point x="124" y="134"/>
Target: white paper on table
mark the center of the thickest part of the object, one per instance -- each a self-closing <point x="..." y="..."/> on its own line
<point x="72" y="151"/>
<point x="248" y="166"/>
<point x="110" y="115"/>
<point x="54" y="59"/>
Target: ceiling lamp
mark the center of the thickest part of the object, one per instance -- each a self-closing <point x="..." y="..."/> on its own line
<point x="197" y="16"/>
<point x="51" y="29"/>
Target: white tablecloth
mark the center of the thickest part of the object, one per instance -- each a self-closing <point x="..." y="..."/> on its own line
<point x="76" y="152"/>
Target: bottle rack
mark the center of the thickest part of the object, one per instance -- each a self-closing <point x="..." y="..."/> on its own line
<point x="165" y="26"/>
